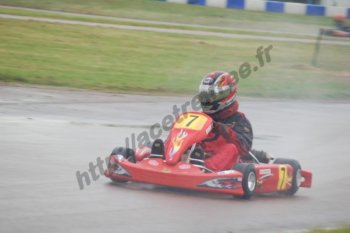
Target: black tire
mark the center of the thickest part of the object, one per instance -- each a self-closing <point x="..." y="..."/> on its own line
<point x="249" y="179"/>
<point x="296" y="174"/>
<point x="118" y="181"/>
<point x="127" y="153"/>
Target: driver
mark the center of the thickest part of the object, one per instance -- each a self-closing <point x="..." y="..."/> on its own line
<point x="232" y="134"/>
<point x="340" y="22"/>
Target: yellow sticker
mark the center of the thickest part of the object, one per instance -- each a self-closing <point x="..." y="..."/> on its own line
<point x="191" y="121"/>
<point x="282" y="177"/>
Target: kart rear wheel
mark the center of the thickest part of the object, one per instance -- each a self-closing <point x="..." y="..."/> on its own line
<point x="297" y="177"/>
<point x="249" y="179"/>
<point x="128" y="154"/>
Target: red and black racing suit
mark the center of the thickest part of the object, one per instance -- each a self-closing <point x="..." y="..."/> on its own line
<point x="232" y="137"/>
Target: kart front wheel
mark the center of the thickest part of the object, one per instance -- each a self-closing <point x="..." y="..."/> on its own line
<point x="249" y="179"/>
<point x="127" y="153"/>
<point x="297" y="177"/>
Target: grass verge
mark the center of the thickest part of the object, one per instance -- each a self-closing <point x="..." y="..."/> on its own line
<point x="171" y="12"/>
<point x="155" y="24"/>
<point x="108" y="59"/>
<point x="123" y="60"/>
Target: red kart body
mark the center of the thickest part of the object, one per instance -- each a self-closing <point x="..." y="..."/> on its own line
<point x="175" y="170"/>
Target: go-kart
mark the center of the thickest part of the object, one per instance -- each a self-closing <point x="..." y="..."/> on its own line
<point x="335" y="32"/>
<point x="341" y="30"/>
<point x="338" y="32"/>
<point x="173" y="165"/>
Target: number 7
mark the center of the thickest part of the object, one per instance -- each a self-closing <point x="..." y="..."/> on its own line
<point x="191" y="121"/>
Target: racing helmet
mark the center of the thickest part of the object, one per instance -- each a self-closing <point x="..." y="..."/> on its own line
<point x="217" y="92"/>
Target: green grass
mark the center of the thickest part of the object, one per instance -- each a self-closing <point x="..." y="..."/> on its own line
<point x="170" y="12"/>
<point x="87" y="18"/>
<point x="121" y="60"/>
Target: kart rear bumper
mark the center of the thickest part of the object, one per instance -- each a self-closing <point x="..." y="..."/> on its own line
<point x="307" y="179"/>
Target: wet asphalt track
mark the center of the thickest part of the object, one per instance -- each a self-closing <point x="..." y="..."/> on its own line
<point x="46" y="135"/>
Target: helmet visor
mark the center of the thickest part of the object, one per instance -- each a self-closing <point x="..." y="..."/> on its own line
<point x="209" y="94"/>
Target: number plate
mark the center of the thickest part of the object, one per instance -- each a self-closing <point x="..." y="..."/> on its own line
<point x="191" y="121"/>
